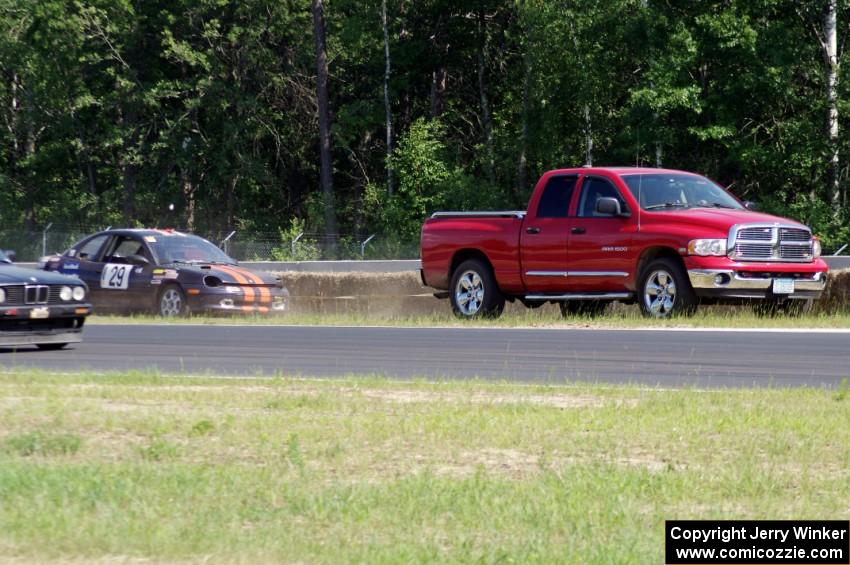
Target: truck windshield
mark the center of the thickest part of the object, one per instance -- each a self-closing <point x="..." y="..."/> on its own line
<point x="671" y="191"/>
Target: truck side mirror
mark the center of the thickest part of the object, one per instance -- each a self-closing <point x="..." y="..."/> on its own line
<point x="609" y="207"/>
<point x="750" y="205"/>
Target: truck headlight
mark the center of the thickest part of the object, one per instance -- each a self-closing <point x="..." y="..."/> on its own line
<point x="79" y="293"/>
<point x="816" y="248"/>
<point x="65" y="293"/>
<point x="704" y="247"/>
<point x="2" y="295"/>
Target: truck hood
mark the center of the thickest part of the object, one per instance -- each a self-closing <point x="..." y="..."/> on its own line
<point x="719" y="219"/>
<point x="10" y="274"/>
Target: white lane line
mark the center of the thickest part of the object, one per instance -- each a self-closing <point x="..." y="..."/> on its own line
<point x="488" y="328"/>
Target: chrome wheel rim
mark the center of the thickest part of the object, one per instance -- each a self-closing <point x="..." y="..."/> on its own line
<point x="659" y="294"/>
<point x="171" y="303"/>
<point x="469" y="293"/>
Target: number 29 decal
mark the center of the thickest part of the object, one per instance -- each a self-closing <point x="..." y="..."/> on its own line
<point x="115" y="276"/>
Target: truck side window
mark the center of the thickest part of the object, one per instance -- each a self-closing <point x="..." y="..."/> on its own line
<point x="555" y="200"/>
<point x="592" y="190"/>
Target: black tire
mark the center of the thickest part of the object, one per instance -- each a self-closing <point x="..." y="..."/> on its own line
<point x="474" y="292"/>
<point x="50" y="346"/>
<point x="171" y="301"/>
<point x="657" y="298"/>
<point x="583" y="308"/>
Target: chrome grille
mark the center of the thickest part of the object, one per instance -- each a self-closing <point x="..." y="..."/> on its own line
<point x="795" y="252"/>
<point x="772" y="243"/>
<point x="755" y="234"/>
<point x="794" y="234"/>
<point x="754" y="250"/>
<point x="36" y="294"/>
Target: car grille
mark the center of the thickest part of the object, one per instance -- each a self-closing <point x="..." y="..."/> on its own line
<point x="773" y="243"/>
<point x="20" y="295"/>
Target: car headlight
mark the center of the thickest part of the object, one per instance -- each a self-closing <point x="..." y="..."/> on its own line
<point x="715" y="247"/>
<point x="79" y="293"/>
<point x="2" y="295"/>
<point x="816" y="248"/>
<point x="65" y="293"/>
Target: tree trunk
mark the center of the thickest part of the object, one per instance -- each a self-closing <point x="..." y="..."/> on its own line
<point x="29" y="152"/>
<point x="29" y="186"/>
<point x="127" y="120"/>
<point x="387" y="107"/>
<point x="189" y="189"/>
<point x="522" y="167"/>
<point x="831" y="55"/>
<point x="229" y="203"/>
<point x="326" y="171"/>
<point x="486" y="120"/>
<point x="588" y="137"/>
<point x="438" y="91"/>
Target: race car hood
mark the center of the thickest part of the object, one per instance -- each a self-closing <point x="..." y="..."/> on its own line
<point x="231" y="274"/>
<point x="12" y="274"/>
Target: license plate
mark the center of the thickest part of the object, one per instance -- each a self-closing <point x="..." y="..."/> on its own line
<point x="39" y="313"/>
<point x="783" y="286"/>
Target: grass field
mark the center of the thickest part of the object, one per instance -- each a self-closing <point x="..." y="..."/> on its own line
<point x="126" y="466"/>
<point x="550" y="317"/>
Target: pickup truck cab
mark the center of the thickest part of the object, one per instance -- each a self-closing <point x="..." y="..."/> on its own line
<point x="666" y="239"/>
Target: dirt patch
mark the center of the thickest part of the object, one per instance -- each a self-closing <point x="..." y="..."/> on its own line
<point x="554" y="400"/>
<point x="402" y="294"/>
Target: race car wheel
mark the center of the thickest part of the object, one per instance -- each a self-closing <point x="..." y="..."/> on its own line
<point x="474" y="292"/>
<point x="665" y="291"/>
<point x="50" y="346"/>
<point x="172" y="301"/>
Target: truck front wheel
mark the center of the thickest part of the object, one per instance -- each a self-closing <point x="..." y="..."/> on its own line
<point x="665" y="291"/>
<point x="474" y="292"/>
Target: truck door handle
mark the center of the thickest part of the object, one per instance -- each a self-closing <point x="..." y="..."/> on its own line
<point x="577" y="230"/>
<point x="532" y="230"/>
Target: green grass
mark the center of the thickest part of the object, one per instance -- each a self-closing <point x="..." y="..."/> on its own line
<point x="142" y="465"/>
<point x="549" y="317"/>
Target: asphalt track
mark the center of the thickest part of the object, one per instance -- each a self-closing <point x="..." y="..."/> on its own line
<point x="658" y="358"/>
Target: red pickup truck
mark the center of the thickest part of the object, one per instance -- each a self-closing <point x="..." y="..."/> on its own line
<point x="668" y="240"/>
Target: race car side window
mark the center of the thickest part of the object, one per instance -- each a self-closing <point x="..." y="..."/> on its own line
<point x="90" y="248"/>
<point x="123" y="246"/>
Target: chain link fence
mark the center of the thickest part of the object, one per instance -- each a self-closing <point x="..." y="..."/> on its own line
<point x="242" y="246"/>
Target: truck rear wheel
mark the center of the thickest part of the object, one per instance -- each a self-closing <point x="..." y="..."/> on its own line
<point x="474" y="292"/>
<point x="664" y="290"/>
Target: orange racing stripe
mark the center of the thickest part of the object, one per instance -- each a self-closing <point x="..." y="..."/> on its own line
<point x="246" y="288"/>
<point x="264" y="292"/>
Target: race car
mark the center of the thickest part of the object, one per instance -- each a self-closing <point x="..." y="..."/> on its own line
<point x="167" y="272"/>
<point x="47" y="310"/>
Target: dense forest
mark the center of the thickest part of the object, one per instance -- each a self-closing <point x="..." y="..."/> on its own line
<point x="355" y="117"/>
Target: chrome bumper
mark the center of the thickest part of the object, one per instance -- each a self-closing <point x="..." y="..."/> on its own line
<point x="723" y="279"/>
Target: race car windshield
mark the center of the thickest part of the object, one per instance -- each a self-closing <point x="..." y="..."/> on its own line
<point x="188" y="249"/>
<point x="4" y="258"/>
<point x="675" y="191"/>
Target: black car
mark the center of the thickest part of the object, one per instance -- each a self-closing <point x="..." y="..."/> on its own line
<point x="37" y="308"/>
<point x="167" y="272"/>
